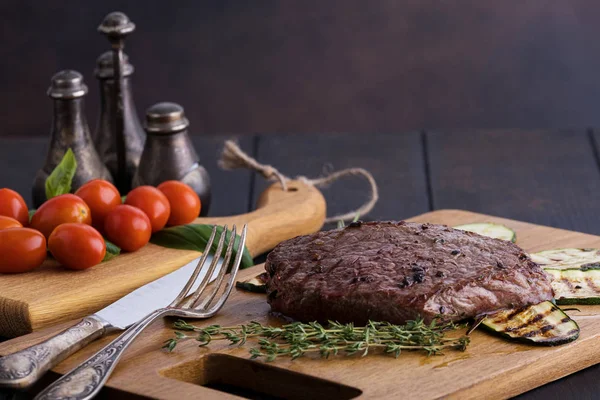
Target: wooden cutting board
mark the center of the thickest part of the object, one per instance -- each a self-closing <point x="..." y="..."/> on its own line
<point x="490" y="368"/>
<point x="52" y="294"/>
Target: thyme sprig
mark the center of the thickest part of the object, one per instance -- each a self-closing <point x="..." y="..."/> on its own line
<point x="296" y="339"/>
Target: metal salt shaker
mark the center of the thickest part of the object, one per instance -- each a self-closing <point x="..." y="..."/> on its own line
<point x="133" y="133"/>
<point x="169" y="153"/>
<point x="116" y="26"/>
<point x="69" y="130"/>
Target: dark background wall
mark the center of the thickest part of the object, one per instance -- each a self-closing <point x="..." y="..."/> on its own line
<point x="319" y="65"/>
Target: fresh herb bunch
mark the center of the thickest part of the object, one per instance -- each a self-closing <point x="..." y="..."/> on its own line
<point x="296" y="339"/>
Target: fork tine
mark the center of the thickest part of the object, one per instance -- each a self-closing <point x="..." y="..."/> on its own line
<point x="206" y="279"/>
<point x="234" y="270"/>
<point x="221" y="275"/>
<point x="190" y="282"/>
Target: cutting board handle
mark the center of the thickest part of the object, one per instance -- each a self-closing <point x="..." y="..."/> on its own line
<point x="280" y="215"/>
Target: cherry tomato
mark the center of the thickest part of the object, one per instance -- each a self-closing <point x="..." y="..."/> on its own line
<point x="60" y="210"/>
<point x="101" y="197"/>
<point x="185" y="203"/>
<point x="128" y="227"/>
<point x="77" y="246"/>
<point x="22" y="250"/>
<point x="12" y="205"/>
<point x="153" y="203"/>
<point x="8" y="222"/>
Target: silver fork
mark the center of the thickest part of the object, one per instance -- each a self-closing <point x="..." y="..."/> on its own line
<point x="85" y="381"/>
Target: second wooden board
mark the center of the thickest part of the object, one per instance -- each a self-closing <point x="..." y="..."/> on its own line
<point x="52" y="294"/>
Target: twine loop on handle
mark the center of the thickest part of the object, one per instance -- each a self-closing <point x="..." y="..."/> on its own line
<point x="233" y="157"/>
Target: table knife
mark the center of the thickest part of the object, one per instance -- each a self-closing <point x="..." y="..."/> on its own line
<point x="23" y="368"/>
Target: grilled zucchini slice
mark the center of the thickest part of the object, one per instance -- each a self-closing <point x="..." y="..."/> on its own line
<point x="542" y="324"/>
<point x="256" y="284"/>
<point x="575" y="285"/>
<point x="567" y="258"/>
<point x="495" y="231"/>
<point x="575" y="274"/>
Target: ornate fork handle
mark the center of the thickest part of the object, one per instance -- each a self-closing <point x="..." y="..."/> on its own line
<point x="23" y="368"/>
<point x="85" y="381"/>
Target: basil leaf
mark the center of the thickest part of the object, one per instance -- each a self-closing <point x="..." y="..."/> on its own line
<point x="112" y="250"/>
<point x="123" y="198"/>
<point x="31" y="212"/>
<point x="59" y="181"/>
<point x="195" y="237"/>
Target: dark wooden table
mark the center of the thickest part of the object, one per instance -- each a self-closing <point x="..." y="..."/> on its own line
<point x="545" y="177"/>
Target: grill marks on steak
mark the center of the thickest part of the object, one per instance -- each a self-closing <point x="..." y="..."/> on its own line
<point x="396" y="271"/>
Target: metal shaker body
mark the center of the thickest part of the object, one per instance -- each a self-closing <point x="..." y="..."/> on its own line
<point x="169" y="153"/>
<point x="133" y="133"/>
<point x="69" y="130"/>
<point x="116" y="26"/>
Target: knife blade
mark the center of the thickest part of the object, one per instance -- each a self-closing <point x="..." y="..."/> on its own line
<point x="130" y="308"/>
<point x="25" y="367"/>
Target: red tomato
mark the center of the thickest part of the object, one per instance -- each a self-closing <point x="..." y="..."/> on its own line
<point x="128" y="227"/>
<point x="185" y="203"/>
<point x="22" y="250"/>
<point x="8" y="222"/>
<point x="77" y="246"/>
<point x="12" y="205"/>
<point x="101" y="197"/>
<point x="60" y="210"/>
<point x="153" y="203"/>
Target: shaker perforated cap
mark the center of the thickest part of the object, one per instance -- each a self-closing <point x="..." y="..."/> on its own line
<point x="116" y="24"/>
<point x="165" y="118"/>
<point x="67" y="84"/>
<point x="104" y="66"/>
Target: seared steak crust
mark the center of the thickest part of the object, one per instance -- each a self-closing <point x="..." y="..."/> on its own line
<point x="396" y="271"/>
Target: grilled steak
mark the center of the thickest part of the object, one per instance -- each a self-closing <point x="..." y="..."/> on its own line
<point x="397" y="271"/>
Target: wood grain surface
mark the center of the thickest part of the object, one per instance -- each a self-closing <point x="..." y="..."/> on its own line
<point x="545" y="177"/>
<point x="571" y="209"/>
<point x="490" y="368"/>
<point x="52" y="294"/>
<point x="396" y="162"/>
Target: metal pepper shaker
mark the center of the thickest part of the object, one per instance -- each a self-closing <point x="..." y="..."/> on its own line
<point x="69" y="130"/>
<point x="116" y="26"/>
<point x="169" y="153"/>
<point x="133" y="133"/>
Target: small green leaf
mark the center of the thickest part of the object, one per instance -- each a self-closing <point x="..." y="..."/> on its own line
<point x="31" y="212"/>
<point x="123" y="198"/>
<point x="112" y="250"/>
<point x="59" y="181"/>
<point x="195" y="237"/>
<point x="170" y="345"/>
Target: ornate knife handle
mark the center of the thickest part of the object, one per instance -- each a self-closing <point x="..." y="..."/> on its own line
<point x="85" y="381"/>
<point x="23" y="368"/>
